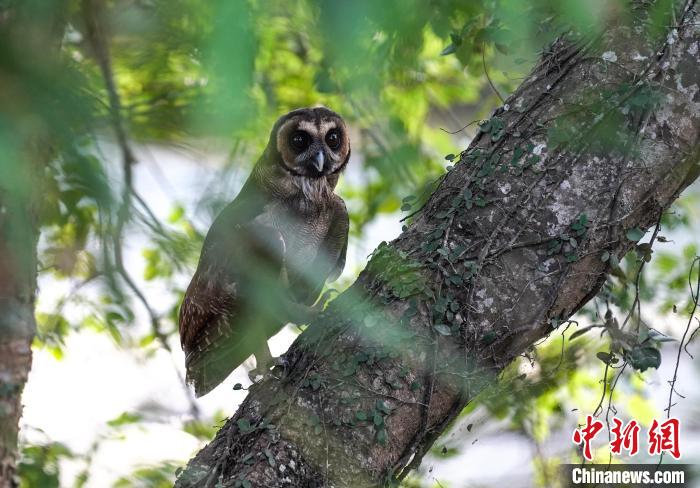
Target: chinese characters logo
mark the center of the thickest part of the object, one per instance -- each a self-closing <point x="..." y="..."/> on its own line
<point x="661" y="437"/>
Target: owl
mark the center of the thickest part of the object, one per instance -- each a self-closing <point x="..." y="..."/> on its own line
<point x="269" y="253"/>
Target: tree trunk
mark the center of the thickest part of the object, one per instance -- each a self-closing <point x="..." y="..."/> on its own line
<point x="599" y="139"/>
<point x="18" y="242"/>
<point x="36" y="29"/>
<point x="17" y="285"/>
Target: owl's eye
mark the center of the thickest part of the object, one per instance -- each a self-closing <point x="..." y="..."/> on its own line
<point x="333" y="139"/>
<point x="300" y="140"/>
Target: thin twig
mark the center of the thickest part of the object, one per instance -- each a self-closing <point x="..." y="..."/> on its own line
<point x="690" y="339"/>
<point x="460" y="130"/>
<point x="92" y="11"/>
<point x="486" y="72"/>
<point x="695" y="296"/>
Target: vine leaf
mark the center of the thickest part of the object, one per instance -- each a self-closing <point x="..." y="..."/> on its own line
<point x="582" y="331"/>
<point x="635" y="233"/>
<point x="442" y="329"/>
<point x="606" y="357"/>
<point x="656" y="336"/>
<point x="244" y="425"/>
<point x="451" y="48"/>
<point x="643" y="357"/>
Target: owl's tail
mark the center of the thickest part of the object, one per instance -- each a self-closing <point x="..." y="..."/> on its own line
<point x="214" y="358"/>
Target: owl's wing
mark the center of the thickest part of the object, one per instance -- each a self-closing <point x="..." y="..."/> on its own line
<point x="241" y="259"/>
<point x="206" y="298"/>
<point x="223" y="319"/>
<point x="205" y="302"/>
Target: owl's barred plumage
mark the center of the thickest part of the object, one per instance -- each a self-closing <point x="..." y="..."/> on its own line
<point x="270" y="250"/>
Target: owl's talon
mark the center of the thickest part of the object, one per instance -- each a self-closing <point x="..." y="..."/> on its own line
<point x="258" y="374"/>
<point x="312" y="313"/>
<point x="322" y="302"/>
<point x="257" y="378"/>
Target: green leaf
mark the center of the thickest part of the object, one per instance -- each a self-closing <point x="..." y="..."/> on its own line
<point x="643" y="357"/>
<point x="606" y="357"/>
<point x="489" y="337"/>
<point x="517" y="154"/>
<point x="125" y="419"/>
<point x="244" y="425"/>
<point x="634" y="234"/>
<point x="582" y="331"/>
<point x="656" y="336"/>
<point x="381" y="436"/>
<point x="361" y="415"/>
<point x="443" y="329"/>
<point x="485" y="126"/>
<point x="176" y="214"/>
<point x="270" y="458"/>
<point x="571" y="257"/>
<point x="451" y="48"/>
<point x="383" y="407"/>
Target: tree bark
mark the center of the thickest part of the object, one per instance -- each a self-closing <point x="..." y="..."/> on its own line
<point x="599" y="139"/>
<point x="36" y="30"/>
<point x="17" y="285"/>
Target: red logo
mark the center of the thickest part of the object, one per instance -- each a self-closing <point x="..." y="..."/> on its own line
<point x="627" y="437"/>
<point x="664" y="438"/>
<point x="586" y="434"/>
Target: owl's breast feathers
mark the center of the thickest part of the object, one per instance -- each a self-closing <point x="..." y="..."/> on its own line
<point x="260" y="249"/>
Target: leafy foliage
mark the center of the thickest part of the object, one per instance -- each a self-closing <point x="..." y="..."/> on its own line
<point x="40" y="465"/>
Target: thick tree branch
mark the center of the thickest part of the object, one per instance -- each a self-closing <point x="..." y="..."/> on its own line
<point x="601" y="138"/>
<point x="22" y="163"/>
<point x="18" y="239"/>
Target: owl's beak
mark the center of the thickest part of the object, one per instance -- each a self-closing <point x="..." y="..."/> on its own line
<point x="318" y="161"/>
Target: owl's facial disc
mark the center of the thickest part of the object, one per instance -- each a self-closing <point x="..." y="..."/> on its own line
<point x="313" y="144"/>
<point x="315" y="149"/>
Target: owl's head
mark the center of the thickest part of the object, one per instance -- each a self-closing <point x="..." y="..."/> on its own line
<point x="312" y="143"/>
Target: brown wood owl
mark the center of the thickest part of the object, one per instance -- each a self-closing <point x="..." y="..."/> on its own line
<point x="268" y="254"/>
